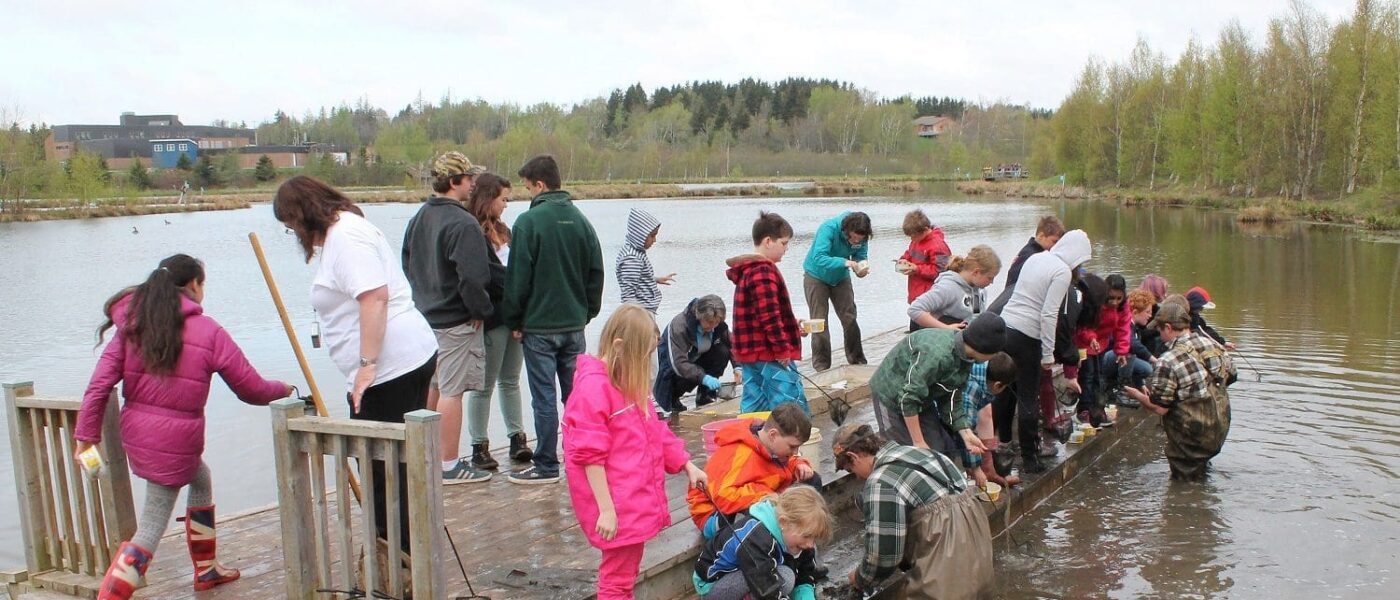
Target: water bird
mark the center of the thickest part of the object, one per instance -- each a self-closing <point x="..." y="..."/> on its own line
<point x="167" y="221"/>
<point x="133" y="230"/>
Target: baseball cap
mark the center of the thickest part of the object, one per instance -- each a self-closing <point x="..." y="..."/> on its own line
<point x="1199" y="296"/>
<point x="1170" y="313"/>
<point x="451" y="164"/>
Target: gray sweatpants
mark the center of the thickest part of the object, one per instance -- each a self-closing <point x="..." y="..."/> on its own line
<point x="733" y="586"/>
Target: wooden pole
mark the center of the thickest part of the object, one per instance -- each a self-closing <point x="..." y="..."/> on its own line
<point x="296" y="346"/>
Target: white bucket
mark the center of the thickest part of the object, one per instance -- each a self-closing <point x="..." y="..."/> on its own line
<point x="812" y="450"/>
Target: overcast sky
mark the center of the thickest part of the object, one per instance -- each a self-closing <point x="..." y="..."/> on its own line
<point x="68" y="61"/>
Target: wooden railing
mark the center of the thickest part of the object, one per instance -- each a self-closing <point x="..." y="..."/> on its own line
<point x="71" y="523"/>
<point x="318" y="535"/>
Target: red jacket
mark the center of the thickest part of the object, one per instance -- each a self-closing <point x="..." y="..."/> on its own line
<point x="1114" y="332"/>
<point x="764" y="326"/>
<point x="930" y="256"/>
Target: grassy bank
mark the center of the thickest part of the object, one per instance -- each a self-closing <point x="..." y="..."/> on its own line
<point x="56" y="210"/>
<point x="1370" y="209"/>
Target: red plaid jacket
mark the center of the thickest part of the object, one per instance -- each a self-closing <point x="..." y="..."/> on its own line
<point x="764" y="327"/>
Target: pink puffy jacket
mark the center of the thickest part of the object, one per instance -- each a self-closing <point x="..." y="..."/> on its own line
<point x="635" y="448"/>
<point x="162" y="420"/>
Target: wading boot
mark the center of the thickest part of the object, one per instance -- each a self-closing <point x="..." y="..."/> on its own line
<point x="481" y="457"/>
<point x="519" y="450"/>
<point x="128" y="567"/>
<point x="199" y="534"/>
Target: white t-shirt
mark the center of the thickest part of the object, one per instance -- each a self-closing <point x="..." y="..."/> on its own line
<point x="356" y="259"/>
<point x="503" y="253"/>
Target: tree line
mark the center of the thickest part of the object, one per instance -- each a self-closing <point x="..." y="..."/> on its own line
<point x="1312" y="111"/>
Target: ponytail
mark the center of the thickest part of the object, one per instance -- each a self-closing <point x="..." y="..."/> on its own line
<point x="981" y="257"/>
<point x="156" y="319"/>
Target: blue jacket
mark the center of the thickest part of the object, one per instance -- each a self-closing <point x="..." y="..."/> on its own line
<point x="826" y="260"/>
<point x="754" y="546"/>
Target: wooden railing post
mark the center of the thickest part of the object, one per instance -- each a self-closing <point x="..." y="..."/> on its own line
<point x="294" y="498"/>
<point x="27" y="465"/>
<point x="118" y="509"/>
<point x="424" y="502"/>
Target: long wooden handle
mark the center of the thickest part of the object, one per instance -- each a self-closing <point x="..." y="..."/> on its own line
<point x="296" y="347"/>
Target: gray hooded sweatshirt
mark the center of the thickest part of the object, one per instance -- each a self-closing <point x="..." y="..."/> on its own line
<point x="950" y="298"/>
<point x="1034" y="305"/>
<point x="635" y="277"/>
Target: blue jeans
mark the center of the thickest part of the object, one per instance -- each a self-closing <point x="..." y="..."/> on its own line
<point x="1136" y="371"/>
<point x="550" y="356"/>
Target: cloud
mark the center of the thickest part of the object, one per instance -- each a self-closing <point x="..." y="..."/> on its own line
<point x="70" y="61"/>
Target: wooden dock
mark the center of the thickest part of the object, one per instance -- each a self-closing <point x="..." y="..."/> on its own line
<point x="523" y="541"/>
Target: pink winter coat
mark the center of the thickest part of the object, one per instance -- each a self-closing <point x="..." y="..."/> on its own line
<point x="635" y="448"/>
<point x="162" y="419"/>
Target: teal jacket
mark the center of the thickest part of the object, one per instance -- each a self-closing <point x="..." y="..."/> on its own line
<point x="826" y="260"/>
<point x="925" y="371"/>
<point x="554" y="282"/>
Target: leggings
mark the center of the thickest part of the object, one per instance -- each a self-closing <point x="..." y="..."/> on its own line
<point x="388" y="401"/>
<point x="160" y="504"/>
<point x="1021" y="401"/>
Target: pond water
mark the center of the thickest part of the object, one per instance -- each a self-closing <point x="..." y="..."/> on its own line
<point x="1304" y="499"/>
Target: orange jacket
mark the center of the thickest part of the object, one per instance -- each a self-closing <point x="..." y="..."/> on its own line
<point x="742" y="471"/>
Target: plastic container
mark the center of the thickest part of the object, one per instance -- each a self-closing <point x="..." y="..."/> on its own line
<point x="756" y="415"/>
<point x="993" y="491"/>
<point x="92" y="461"/>
<point x="709" y="430"/>
<point x="812" y="450"/>
<point x="1077" y="437"/>
<point x="814" y="325"/>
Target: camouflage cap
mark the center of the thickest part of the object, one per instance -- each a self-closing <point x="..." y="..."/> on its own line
<point x="1171" y="313"/>
<point x="455" y="163"/>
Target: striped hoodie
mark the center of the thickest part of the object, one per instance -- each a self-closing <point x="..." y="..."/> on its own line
<point x="635" y="276"/>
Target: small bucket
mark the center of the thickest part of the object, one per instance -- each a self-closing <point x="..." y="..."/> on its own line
<point x="709" y="430"/>
<point x="812" y="450"/>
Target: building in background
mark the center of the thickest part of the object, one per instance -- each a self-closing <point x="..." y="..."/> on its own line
<point x="931" y="126"/>
<point x="134" y="137"/>
<point x="165" y="154"/>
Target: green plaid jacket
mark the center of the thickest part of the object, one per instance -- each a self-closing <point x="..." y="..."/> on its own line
<point x="1186" y="370"/>
<point x="904" y="478"/>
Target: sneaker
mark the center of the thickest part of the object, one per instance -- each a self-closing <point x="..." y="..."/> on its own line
<point x="533" y="476"/>
<point x="464" y="473"/>
<point x="520" y="450"/>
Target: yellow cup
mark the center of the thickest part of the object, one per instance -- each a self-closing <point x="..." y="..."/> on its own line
<point x="993" y="491"/>
<point x="91" y="460"/>
<point x="1089" y="432"/>
<point x="1111" y="412"/>
<point x="1076" y="437"/>
<point x="814" y="325"/>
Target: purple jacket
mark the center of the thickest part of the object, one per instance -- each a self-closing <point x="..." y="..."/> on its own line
<point x="162" y="420"/>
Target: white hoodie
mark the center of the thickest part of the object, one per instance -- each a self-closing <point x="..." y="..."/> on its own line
<point x="1035" y="303"/>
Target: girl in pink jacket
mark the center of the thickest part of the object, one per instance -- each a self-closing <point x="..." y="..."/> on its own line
<point x="164" y="354"/>
<point x="617" y="453"/>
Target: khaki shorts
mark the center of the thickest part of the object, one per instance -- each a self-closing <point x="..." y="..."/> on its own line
<point x="461" y="360"/>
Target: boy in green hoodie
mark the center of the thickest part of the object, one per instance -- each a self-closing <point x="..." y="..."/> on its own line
<point x="554" y="287"/>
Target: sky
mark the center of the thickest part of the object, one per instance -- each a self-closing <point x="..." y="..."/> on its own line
<point x="71" y="61"/>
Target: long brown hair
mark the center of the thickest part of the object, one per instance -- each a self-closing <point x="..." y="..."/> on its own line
<point x="488" y="187"/>
<point x="156" y="322"/>
<point x="309" y="207"/>
<point x="628" y="339"/>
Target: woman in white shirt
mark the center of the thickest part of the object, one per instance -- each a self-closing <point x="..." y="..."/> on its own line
<point x="364" y="305"/>
<point x="504" y="355"/>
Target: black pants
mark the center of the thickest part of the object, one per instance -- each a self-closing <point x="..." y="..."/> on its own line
<point x="1090" y="373"/>
<point x="1021" y="401"/>
<point x="388" y="402"/>
<point x="670" y="386"/>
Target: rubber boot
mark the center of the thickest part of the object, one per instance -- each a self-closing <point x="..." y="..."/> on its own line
<point x="199" y="534"/>
<point x="481" y="457"/>
<point x="122" y="578"/>
<point x="519" y="450"/>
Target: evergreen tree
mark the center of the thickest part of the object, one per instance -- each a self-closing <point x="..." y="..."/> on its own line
<point x="204" y="172"/>
<point x="137" y="175"/>
<point x="265" y="171"/>
<point x="183" y="164"/>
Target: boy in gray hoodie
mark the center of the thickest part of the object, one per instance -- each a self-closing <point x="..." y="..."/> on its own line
<point x="635" y="276"/>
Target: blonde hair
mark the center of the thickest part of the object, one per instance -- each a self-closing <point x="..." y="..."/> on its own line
<point x="803" y="506"/>
<point x="981" y="257"/>
<point x="629" y="337"/>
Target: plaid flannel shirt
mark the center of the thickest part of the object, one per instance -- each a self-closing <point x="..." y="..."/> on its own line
<point x="904" y="478"/>
<point x="1181" y="373"/>
<point x="765" y="328"/>
<point x="975" y="396"/>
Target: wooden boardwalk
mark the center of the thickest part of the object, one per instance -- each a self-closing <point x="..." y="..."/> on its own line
<point x="523" y="541"/>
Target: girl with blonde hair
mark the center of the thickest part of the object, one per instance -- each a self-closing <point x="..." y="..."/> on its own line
<point x="617" y="453"/>
<point x="956" y="296"/>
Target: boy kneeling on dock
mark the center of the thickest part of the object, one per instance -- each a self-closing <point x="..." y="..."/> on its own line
<point x="755" y="459"/>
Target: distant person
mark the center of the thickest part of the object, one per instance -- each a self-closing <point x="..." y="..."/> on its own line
<point x="755" y="458"/>
<point x="554" y="287"/>
<point x="1187" y="388"/>
<point x="1047" y="233"/>
<point x="504" y="356"/>
<point x="694" y="354"/>
<point x="1199" y="299"/>
<point x="919" y="516"/>
<point x="447" y="262"/>
<point x="958" y="295"/>
<point x="618" y="453"/>
<point x="635" y="277"/>
<point x="926" y="258"/>
<point x="767" y="338"/>
<point x="1032" y="313"/>
<point x="377" y="338"/>
<point x="841" y="246"/>
<point x="164" y="354"/>
<point x="767" y="552"/>
<point x="1157" y="285"/>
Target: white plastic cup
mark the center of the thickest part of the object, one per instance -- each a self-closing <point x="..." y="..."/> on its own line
<point x="814" y="325"/>
<point x="92" y="461"/>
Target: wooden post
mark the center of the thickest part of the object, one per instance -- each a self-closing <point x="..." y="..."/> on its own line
<point x="22" y="444"/>
<point x="425" y="502"/>
<point x="294" y="497"/>
<point x="118" y="509"/>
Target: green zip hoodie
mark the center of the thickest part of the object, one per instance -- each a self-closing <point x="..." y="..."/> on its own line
<point x="554" y="282"/>
<point x="924" y="372"/>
